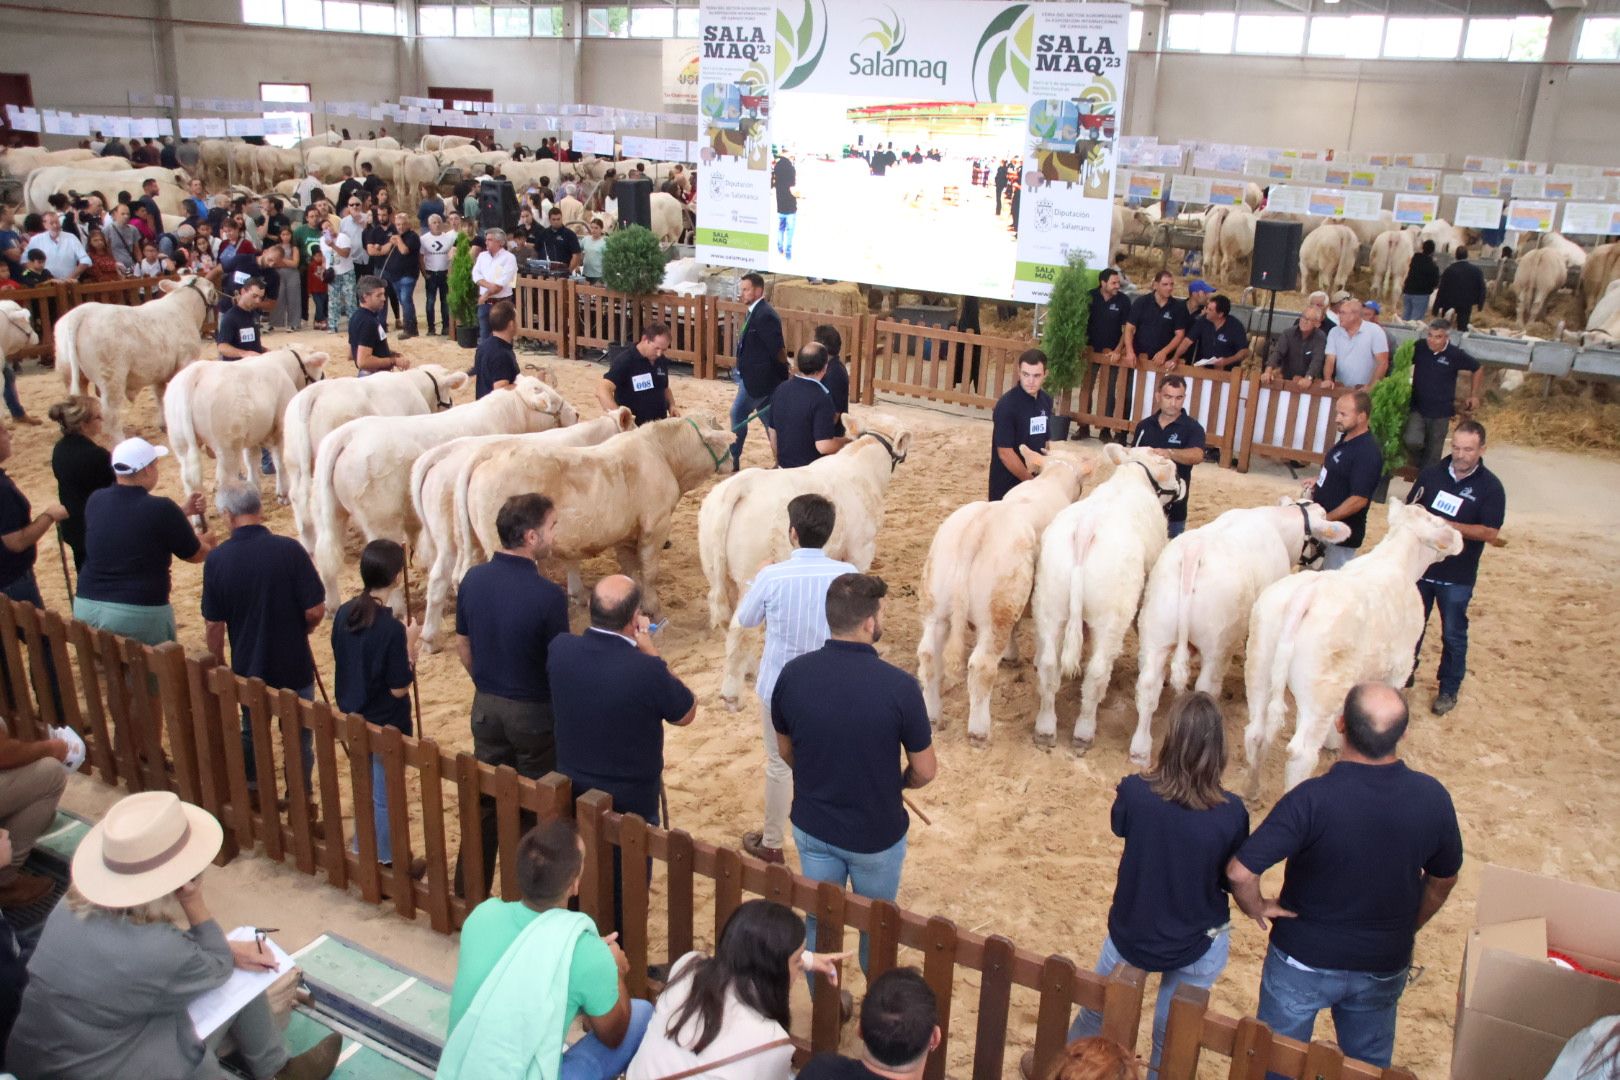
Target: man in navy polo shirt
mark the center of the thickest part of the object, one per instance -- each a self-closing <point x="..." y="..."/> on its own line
<point x="1470" y="497"/>
<point x="262" y="589"/>
<point x="843" y="717"/>
<point x="259" y="266"/>
<point x="1373" y="850"/>
<point x="1156" y="324"/>
<point x="495" y="365"/>
<point x="1178" y="437"/>
<point x="368" y="330"/>
<point x="803" y="423"/>
<point x="1436" y="363"/>
<point x="1216" y="340"/>
<point x="836" y="378"/>
<point x="1349" y="475"/>
<point x="237" y="334"/>
<point x="638" y="377"/>
<point x="506" y="617"/>
<point x="1020" y="419"/>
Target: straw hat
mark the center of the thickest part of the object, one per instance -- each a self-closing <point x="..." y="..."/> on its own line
<point x="146" y="847"/>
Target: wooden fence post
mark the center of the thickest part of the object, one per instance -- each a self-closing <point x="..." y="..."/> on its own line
<point x="291" y="715"/>
<point x="469" y="807"/>
<point x="1122" y="1005"/>
<point x="1183" y="1035"/>
<point x="223" y="683"/>
<point x="429" y="771"/>
<point x="1058" y="976"/>
<point x="727" y="887"/>
<point x="884" y="940"/>
<point x="939" y="971"/>
<point x="1323" y="1061"/>
<point x="825" y="1017"/>
<point x="21" y="718"/>
<point x="334" y="852"/>
<point x="596" y="885"/>
<point x="508" y="828"/>
<point x="365" y="826"/>
<point x="634" y="886"/>
<point x="101" y="744"/>
<point x="678" y="859"/>
<point x="27" y="616"/>
<point x="995" y="995"/>
<point x="213" y="784"/>
<point x="264" y="768"/>
<point x="399" y="818"/>
<point x="174" y="693"/>
<point x="1251" y="1050"/>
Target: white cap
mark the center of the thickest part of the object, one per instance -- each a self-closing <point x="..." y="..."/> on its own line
<point x="134" y="454"/>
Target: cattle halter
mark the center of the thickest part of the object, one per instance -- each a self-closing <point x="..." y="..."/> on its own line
<point x="718" y="459"/>
<point x="1175" y="494"/>
<point x="438" y="394"/>
<point x="1313" y="551"/>
<point x="894" y="458"/>
<point x="309" y="380"/>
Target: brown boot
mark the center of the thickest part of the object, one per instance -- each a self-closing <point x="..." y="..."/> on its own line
<point x="316" y="1063"/>
<point x="24" y="889"/>
<point x="754" y="844"/>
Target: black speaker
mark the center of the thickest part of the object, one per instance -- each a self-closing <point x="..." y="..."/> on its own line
<point x="497" y="205"/>
<point x="1276" y="255"/>
<point x="635" y="202"/>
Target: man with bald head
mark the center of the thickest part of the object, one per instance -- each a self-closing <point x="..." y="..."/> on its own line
<point x="1373" y="850"/>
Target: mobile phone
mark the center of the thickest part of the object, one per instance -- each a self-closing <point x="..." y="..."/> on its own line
<point x="653" y="628"/>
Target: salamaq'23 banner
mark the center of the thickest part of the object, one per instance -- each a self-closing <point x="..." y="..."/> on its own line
<point x="735" y="80"/>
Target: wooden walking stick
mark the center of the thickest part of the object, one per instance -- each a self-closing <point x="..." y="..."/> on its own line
<point x="61" y="549"/>
<point x="416" y="689"/>
<point x="320" y="684"/>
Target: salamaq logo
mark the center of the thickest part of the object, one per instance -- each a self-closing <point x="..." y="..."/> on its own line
<point x="889" y="35"/>
<point x="1074" y="53"/>
<point x="734" y="43"/>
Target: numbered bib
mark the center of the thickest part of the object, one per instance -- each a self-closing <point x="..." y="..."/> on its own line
<point x="1446" y="503"/>
<point x="642" y="382"/>
<point x="382" y="332"/>
<point x="242" y="277"/>
<point x="1321" y="477"/>
<point x="247" y="336"/>
<point x="1037" y="425"/>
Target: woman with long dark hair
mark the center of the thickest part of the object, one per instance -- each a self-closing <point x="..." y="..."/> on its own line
<point x="81" y="465"/>
<point x="726" y="1016"/>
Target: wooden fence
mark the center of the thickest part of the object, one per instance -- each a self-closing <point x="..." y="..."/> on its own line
<point x="49" y="302"/>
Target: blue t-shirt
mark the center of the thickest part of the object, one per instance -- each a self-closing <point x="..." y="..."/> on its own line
<point x="129" y="537"/>
<point x="640" y="384"/>
<point x="1434" y="379"/>
<point x="1171" y="889"/>
<point x="802" y="414"/>
<point x="1156" y="326"/>
<point x="1106" y="323"/>
<point x="239" y="328"/>
<point x="366" y="328"/>
<point x="237" y="271"/>
<point x="609" y="703"/>
<point x="14" y="514"/>
<point x="1017" y="420"/>
<point x="1353" y="467"/>
<point x="371" y="663"/>
<point x="259" y="585"/>
<point x="849" y="714"/>
<point x="836" y="380"/>
<point x="1359" y="840"/>
<point x="510" y="613"/>
<point x="1183" y="433"/>
<point x="1476" y="499"/>
<point x="1210" y="343"/>
<point x="495" y="361"/>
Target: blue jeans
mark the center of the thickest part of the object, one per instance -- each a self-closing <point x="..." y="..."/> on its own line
<point x="1337" y="555"/>
<point x="1453" y="601"/>
<point x="483" y="322"/>
<point x="872" y="874"/>
<point x="1414" y="306"/>
<point x="591" y="1059"/>
<point x="405" y="288"/>
<point x="13" y="403"/>
<point x="786" y="226"/>
<point x="379" y="815"/>
<point x="743" y="406"/>
<point x="437" y="283"/>
<point x="306" y="739"/>
<point x="1201" y="972"/>
<point x="1363" y="1004"/>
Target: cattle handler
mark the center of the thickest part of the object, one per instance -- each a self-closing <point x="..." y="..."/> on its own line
<point x="638" y="378"/>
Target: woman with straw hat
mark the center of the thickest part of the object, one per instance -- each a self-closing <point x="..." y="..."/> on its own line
<point x="113" y="974"/>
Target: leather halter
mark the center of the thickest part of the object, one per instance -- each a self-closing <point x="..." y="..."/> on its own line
<point x="894" y="458"/>
<point x="1313" y="550"/>
<point x="438" y="394"/>
<point x="309" y="380"/>
<point x="1175" y="494"/>
<point x="718" y="459"/>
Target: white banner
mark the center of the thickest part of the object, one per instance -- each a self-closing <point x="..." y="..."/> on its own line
<point x="1189" y="189"/>
<point x="1416" y="209"/>
<point x="736" y="74"/>
<point x="655" y="149"/>
<point x="593" y="142"/>
<point x="1592" y="219"/>
<point x="681" y="71"/>
<point x="1289" y="199"/>
<point x="1477" y="213"/>
<point x="1527" y="215"/>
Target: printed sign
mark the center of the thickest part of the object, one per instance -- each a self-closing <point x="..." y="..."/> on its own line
<point x="1226" y="192"/>
<point x="1289" y="199"/>
<point x="1476" y="213"/>
<point x="1592" y="219"/>
<point x="1531" y="216"/>
<point x="1416" y="209"/>
<point x="1326" y="202"/>
<point x="1529" y="187"/>
<point x="1189" y="189"/>
<point x="681" y="71"/>
<point x="1144" y="185"/>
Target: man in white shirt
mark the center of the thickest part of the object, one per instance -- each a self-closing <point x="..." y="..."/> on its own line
<point x="307" y="187"/>
<point x="494" y="272"/>
<point x="65" y="257"/>
<point x="1357" y="351"/>
<point x="438" y="243"/>
<point x="790" y="597"/>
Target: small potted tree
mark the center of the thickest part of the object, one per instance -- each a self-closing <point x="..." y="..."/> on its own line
<point x="464" y="294"/>
<point x="633" y="264"/>
<point x="1391" y="401"/>
<point x="1068" y="311"/>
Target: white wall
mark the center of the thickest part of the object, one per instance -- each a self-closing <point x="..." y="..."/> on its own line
<point x="532" y="71"/>
<point x="82" y="65"/>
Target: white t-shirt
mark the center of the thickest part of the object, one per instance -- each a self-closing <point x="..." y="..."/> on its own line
<point x="436" y="250"/>
<point x="741" y="1028"/>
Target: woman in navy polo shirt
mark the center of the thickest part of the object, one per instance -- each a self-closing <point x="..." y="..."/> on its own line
<point x="1170" y="911"/>
<point x="375" y="656"/>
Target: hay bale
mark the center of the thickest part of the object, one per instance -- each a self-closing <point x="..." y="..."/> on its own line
<point x="797" y="294"/>
<point x="1576" y="417"/>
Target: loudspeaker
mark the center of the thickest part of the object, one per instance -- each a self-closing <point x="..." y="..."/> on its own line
<point x="635" y="202"/>
<point x="1276" y="255"/>
<point x="497" y="205"/>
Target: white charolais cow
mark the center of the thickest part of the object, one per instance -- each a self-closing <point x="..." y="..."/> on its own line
<point x="1391" y="257"/>
<point x="977" y="580"/>
<point x="121" y="349"/>
<point x="1201" y="592"/>
<point x="743" y="522"/>
<point x="1095" y="557"/>
<point x="1603" y="325"/>
<point x="1538" y="275"/>
<point x="1328" y="255"/>
<point x="617" y="496"/>
<point x="232" y="407"/>
<point x="316" y="411"/>
<point x="438" y="485"/>
<point x="1317" y="635"/>
<point x="16" y="329"/>
<point x="363" y="469"/>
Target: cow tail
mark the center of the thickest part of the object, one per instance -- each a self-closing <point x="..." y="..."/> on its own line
<point x="714" y="521"/>
<point x="1283" y="658"/>
<point x="427" y="542"/>
<point x="297" y="454"/>
<point x="1074" y="631"/>
<point x="952" y="597"/>
<point x="328" y="526"/>
<point x="67" y="352"/>
<point x="1192" y="553"/>
<point x="466" y="539"/>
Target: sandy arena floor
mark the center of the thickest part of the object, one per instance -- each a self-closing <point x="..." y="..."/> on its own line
<point x="1020" y="842"/>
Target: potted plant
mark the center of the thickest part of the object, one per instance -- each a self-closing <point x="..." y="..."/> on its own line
<point x="1068" y="311"/>
<point x="1391" y="401"/>
<point x="464" y="294"/>
<point x="633" y="264"/>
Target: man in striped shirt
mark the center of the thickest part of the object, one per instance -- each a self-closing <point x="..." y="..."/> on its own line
<point x="790" y="597"/>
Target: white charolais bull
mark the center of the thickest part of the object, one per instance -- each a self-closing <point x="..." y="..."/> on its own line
<point x="233" y="407"/>
<point x="363" y="469"/>
<point x="438" y="485"/>
<point x="1603" y="325"/>
<point x="1317" y="635"/>
<point x="977" y="580"/>
<point x="1391" y="257"/>
<point x="743" y="522"/>
<point x="617" y="496"/>
<point x="316" y="411"/>
<point x="1095" y="557"/>
<point x="1328" y="254"/>
<point x="16" y="328"/>
<point x="121" y="349"/>
<point x="1201" y="592"/>
<point x="1539" y="275"/>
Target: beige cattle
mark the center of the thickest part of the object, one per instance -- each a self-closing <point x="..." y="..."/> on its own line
<point x="617" y="496"/>
<point x="329" y="161"/>
<point x="977" y="581"/>
<point x="743" y="522"/>
<point x="1367" y="230"/>
<point x="1328" y="254"/>
<point x="524" y="173"/>
<point x="1228" y="240"/>
<point x="417" y="173"/>
<point x="1446" y="236"/>
<point x="19" y="161"/>
<point x="1317" y="635"/>
<point x="1603" y="325"/>
<point x="233" y="407"/>
<point x="1131" y="226"/>
<point x="325" y="138"/>
<point x="668" y="217"/>
<point x="1573" y="254"/>
<point x="386" y="164"/>
<point x="64" y="179"/>
<point x="1537" y="276"/>
<point x="122" y="349"/>
<point x="273" y="165"/>
<point x="1391" y="257"/>
<point x="16" y="329"/>
<point x="1602" y="267"/>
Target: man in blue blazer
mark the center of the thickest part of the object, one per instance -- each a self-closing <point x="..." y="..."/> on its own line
<point x="761" y="359"/>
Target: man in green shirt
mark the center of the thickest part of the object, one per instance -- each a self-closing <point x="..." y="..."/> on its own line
<point x="306" y="238"/>
<point x="550" y="860"/>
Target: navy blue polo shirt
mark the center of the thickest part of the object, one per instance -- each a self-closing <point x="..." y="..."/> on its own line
<point x="510" y="614"/>
<point x="849" y="714"/>
<point x="259" y="585"/>
<point x="1210" y="343"/>
<point x="239" y="328"/>
<point x="1018" y="420"/>
<point x="1155" y="325"/>
<point x="1183" y="433"/>
<point x="1171" y="887"/>
<point x="495" y="361"/>
<point x="836" y="380"/>
<point x="1106" y="323"/>
<point x="1476" y="499"/>
<point x="366" y="328"/>
<point x="1434" y="379"/>
<point x="15" y="514"/>
<point x="237" y="271"/>
<point x="1353" y="467"/>
<point x="1358" y="840"/>
<point x="129" y="537"/>
<point x="640" y="383"/>
<point x="610" y="702"/>
<point x="371" y="663"/>
<point x="802" y="414"/>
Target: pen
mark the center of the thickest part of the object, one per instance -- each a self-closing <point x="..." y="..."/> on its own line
<point x="260" y="931"/>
